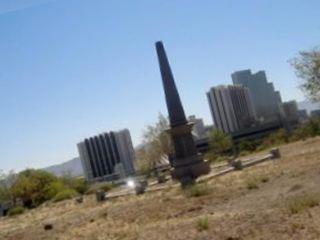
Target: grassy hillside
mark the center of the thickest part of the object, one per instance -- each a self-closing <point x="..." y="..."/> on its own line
<point x="274" y="200"/>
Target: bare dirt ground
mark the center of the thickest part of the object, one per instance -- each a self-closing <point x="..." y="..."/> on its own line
<point x="255" y="203"/>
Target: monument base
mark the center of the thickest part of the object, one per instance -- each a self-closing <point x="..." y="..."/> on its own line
<point x="190" y="171"/>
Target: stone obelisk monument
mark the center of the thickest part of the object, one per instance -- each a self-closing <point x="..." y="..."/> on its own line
<point x="187" y="163"/>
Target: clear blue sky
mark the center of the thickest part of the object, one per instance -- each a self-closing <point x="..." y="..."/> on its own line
<point x="73" y="68"/>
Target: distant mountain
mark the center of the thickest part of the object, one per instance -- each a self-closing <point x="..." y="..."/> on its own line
<point x="309" y="106"/>
<point x="72" y="166"/>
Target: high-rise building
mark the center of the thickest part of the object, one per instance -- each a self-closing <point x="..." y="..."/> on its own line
<point x="198" y="128"/>
<point x="315" y="113"/>
<point x="291" y="113"/>
<point x="265" y="99"/>
<point x="231" y="108"/>
<point x="107" y="156"/>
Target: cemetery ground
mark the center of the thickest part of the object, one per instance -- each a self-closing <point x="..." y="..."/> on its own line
<point x="277" y="199"/>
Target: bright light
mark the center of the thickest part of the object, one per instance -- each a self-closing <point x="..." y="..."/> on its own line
<point x="130" y="183"/>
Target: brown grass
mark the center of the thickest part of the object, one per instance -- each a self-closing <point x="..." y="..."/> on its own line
<point x="228" y="210"/>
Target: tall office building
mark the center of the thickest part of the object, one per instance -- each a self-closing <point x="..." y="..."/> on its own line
<point x="265" y="99"/>
<point x="198" y="128"/>
<point x="231" y="108"/>
<point x="107" y="156"/>
<point x="291" y="113"/>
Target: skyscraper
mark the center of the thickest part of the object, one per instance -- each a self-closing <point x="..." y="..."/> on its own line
<point x="107" y="156"/>
<point x="231" y="108"/>
<point x="265" y="99"/>
<point x="291" y="113"/>
<point x="198" y="128"/>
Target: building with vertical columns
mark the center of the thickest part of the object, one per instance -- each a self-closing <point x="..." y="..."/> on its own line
<point x="231" y="108"/>
<point x="107" y="156"/>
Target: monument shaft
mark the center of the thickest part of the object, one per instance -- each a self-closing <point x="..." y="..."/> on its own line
<point x="187" y="163"/>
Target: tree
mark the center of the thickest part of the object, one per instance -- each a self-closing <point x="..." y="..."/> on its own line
<point x="278" y="137"/>
<point x="6" y="181"/>
<point x="157" y="143"/>
<point x="307" y="67"/>
<point x="311" y="128"/>
<point x="32" y="187"/>
<point x="246" y="145"/>
<point x="219" y="142"/>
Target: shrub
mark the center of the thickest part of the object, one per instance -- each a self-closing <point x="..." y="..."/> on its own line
<point x="203" y="224"/>
<point x="54" y="188"/>
<point x="311" y="128"/>
<point x="64" y="195"/>
<point x="246" y="146"/>
<point x="197" y="190"/>
<point x="276" y="138"/>
<point x="300" y="203"/>
<point x="219" y="142"/>
<point x="78" y="184"/>
<point x="32" y="186"/>
<point x="103" y="186"/>
<point x="252" y="183"/>
<point x="15" y="211"/>
<point x="244" y="153"/>
<point x="264" y="179"/>
<point x="106" y="187"/>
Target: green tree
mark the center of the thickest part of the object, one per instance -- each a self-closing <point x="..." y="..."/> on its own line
<point x="32" y="187"/>
<point x="311" y="128"/>
<point x="246" y="146"/>
<point x="307" y="67"/>
<point x="157" y="143"/>
<point x="276" y="138"/>
<point x="6" y="181"/>
<point x="219" y="142"/>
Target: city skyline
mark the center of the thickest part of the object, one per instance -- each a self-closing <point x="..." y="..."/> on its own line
<point x="92" y="71"/>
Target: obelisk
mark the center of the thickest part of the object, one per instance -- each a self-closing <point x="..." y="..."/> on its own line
<point x="187" y="163"/>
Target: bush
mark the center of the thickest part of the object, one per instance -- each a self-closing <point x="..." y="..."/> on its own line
<point x="276" y="138"/>
<point x="15" y="211"/>
<point x="300" y="203"/>
<point x="311" y="128"/>
<point x="246" y="146"/>
<point x="64" y="195"/>
<point x="264" y="179"/>
<point x="252" y="183"/>
<point x="219" y="142"/>
<point x="78" y="184"/>
<point x="32" y="187"/>
<point x="54" y="188"/>
<point x="197" y="190"/>
<point x="106" y="187"/>
<point x="203" y="224"/>
<point x="103" y="186"/>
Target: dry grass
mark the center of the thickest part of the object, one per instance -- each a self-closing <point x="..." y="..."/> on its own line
<point x="224" y="209"/>
<point x="197" y="190"/>
<point x="301" y="203"/>
<point x="203" y="224"/>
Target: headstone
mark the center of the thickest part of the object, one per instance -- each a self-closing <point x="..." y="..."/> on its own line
<point x="2" y="211"/>
<point x="187" y="163"/>
<point x="79" y="199"/>
<point x="275" y="153"/>
<point x="161" y="178"/>
<point x="236" y="164"/>
<point x="141" y="186"/>
<point x="4" y="208"/>
<point x="100" y="195"/>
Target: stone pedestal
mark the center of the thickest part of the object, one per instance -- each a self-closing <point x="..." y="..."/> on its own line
<point x="188" y="164"/>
